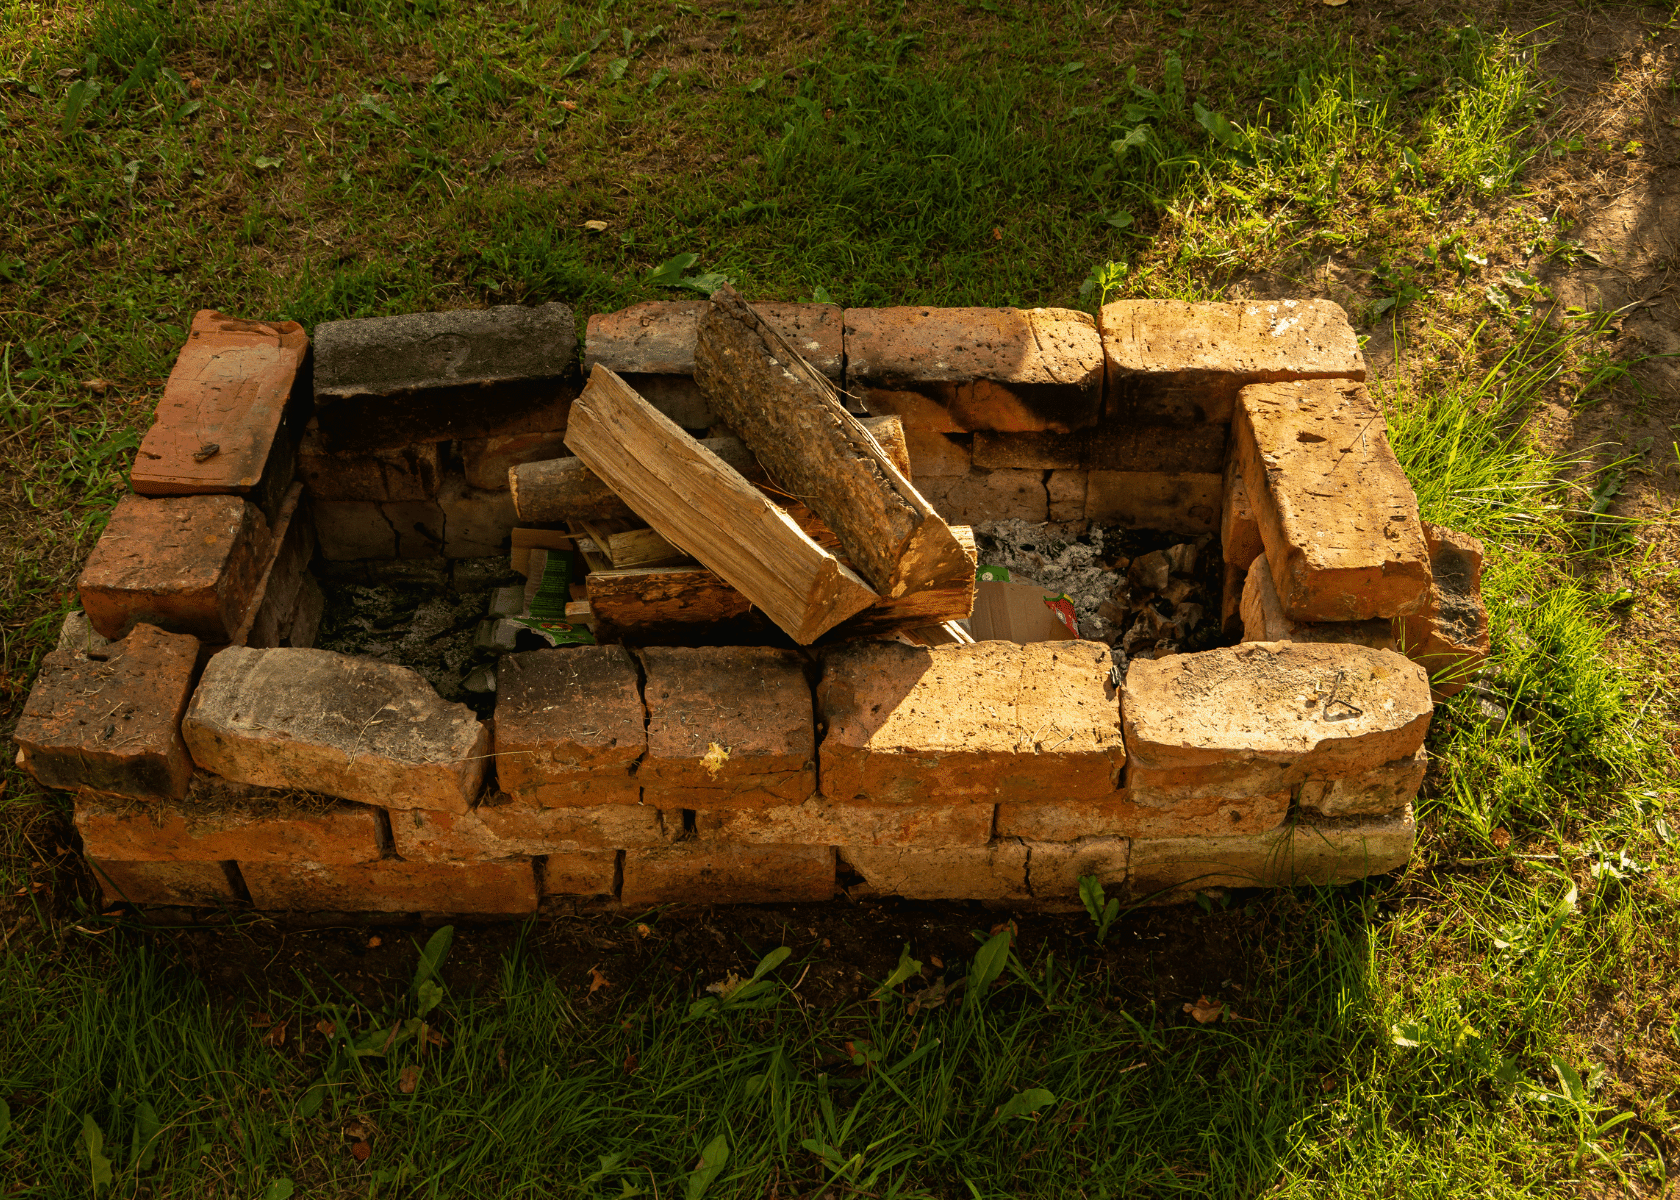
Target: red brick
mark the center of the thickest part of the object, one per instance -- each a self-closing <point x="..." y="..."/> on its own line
<point x="1385" y="789"/>
<point x="721" y="873"/>
<point x="190" y="564"/>
<point x="1162" y="449"/>
<point x="983" y="495"/>
<point x="1449" y="638"/>
<point x="1054" y="868"/>
<point x="959" y="369"/>
<point x="224" y="424"/>
<point x="351" y="530"/>
<point x="579" y="873"/>
<point x="993" y="872"/>
<point x="728" y="726"/>
<point x="221" y="820"/>
<point x="487" y="461"/>
<point x="1336" y="513"/>
<point x="1239" y="532"/>
<point x="570" y="726"/>
<point x="390" y="885"/>
<point x="1230" y="606"/>
<point x="980" y="723"/>
<point x="1263" y="618"/>
<point x="1066" y="491"/>
<point x="1323" y="852"/>
<point x="476" y="524"/>
<point x="189" y="884"/>
<point x="1122" y="816"/>
<point x="268" y="622"/>
<point x="501" y="830"/>
<point x="112" y="724"/>
<point x="934" y="454"/>
<point x="409" y="472"/>
<point x="342" y="726"/>
<point x="1248" y="721"/>
<point x="1177" y="363"/>
<point x="820" y="823"/>
<point x="1153" y="500"/>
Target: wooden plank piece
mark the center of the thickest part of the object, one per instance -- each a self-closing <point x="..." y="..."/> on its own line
<point x="789" y="414"/>
<point x="706" y="508"/>
<point x="649" y="596"/>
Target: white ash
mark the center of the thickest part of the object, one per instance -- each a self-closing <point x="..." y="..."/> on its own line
<point x="1074" y="568"/>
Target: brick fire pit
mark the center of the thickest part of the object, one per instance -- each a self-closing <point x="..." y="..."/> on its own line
<point x="220" y="759"/>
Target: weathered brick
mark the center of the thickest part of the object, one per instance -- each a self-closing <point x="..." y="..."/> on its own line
<point x="651" y="345"/>
<point x="1157" y="449"/>
<point x="722" y="873"/>
<point x="570" y="726"/>
<point x="957" y="369"/>
<point x="487" y="461"/>
<point x="77" y="636"/>
<point x="1383" y="790"/>
<point x="189" y="884"/>
<point x="1449" y="638"/>
<point x="1336" y="513"/>
<point x="476" y="524"/>
<point x="997" y="871"/>
<point x="510" y="827"/>
<point x="1170" y="362"/>
<point x="1151" y="500"/>
<point x="269" y="620"/>
<point x="383" y="382"/>
<point x="727" y="726"/>
<point x="820" y="823"/>
<point x="112" y="723"/>
<point x="579" y="873"/>
<point x="987" y="496"/>
<point x="1054" y="868"/>
<point x="1263" y="618"/>
<point x="187" y="564"/>
<point x="1230" y="607"/>
<point x="305" y="621"/>
<point x="1066" y="491"/>
<point x="1121" y="816"/>
<point x="226" y="420"/>
<point x="1323" y="852"/>
<point x="1239" y="532"/>
<point x="980" y="723"/>
<point x="343" y="726"/>
<point x="353" y="530"/>
<point x="407" y="472"/>
<point x="934" y="454"/>
<point x="1248" y="721"/>
<point x="221" y="820"/>
<point x="390" y="885"/>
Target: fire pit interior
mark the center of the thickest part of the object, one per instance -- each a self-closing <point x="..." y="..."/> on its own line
<point x="763" y="603"/>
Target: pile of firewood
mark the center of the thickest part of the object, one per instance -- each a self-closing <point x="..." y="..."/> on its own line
<point x="806" y="514"/>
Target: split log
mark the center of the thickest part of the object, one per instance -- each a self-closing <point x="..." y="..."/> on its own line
<point x="653" y="596"/>
<point x="563" y="489"/>
<point x="791" y="417"/>
<point x="704" y="507"/>
<point x="633" y="547"/>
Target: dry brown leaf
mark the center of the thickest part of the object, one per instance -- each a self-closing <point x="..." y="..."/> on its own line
<point x="375" y="941"/>
<point x="435" y="1037"/>
<point x="597" y="981"/>
<point x="361" y="1150"/>
<point x="569" y="105"/>
<point x="407" y="1079"/>
<point x="355" y="1129"/>
<point x="276" y="1036"/>
<point x="1501" y="838"/>
<point x="595" y="226"/>
<point x="937" y="961"/>
<point x="325" y="1027"/>
<point x="997" y="230"/>
<point x="97" y="386"/>
<point x="643" y="931"/>
<point x="259" y="1020"/>
<point x="631" y="1062"/>
<point x="1205" y="1010"/>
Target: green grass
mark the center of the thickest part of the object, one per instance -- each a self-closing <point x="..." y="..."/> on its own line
<point x="1414" y="1037"/>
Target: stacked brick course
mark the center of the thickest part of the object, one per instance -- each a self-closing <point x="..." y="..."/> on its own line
<point x="218" y="759"/>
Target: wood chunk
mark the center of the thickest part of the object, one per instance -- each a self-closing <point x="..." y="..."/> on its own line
<point x="794" y="421"/>
<point x="704" y="506"/>
<point x="634" y="547"/>
<point x="1337" y="515"/>
<point x="644" y="596"/>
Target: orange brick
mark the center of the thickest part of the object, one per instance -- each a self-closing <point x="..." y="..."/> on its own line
<point x="579" y="873"/>
<point x="1054" y="868"/>
<point x="487" y="461"/>
<point x="1264" y="620"/>
<point x="1384" y="789"/>
<point x="1449" y="638"/>
<point x="820" y="823"/>
<point x="983" y="723"/>
<point x="339" y="725"/>
<point x="1169" y="362"/>
<point x="1187" y="503"/>
<point x="280" y="592"/>
<point x="1336" y="512"/>
<point x="934" y="454"/>
<point x="1121" y="816"/>
<point x="570" y="727"/>
<point x="112" y="723"/>
<point x="1251" y="720"/>
<point x="226" y="420"/>
<point x="1239" y="532"/>
<point x="221" y="820"/>
<point x="959" y="369"/>
<point x="501" y="888"/>
<point x="727" y="726"/>
<point x="189" y="884"/>
<point x="511" y="827"/>
<point x="407" y="472"/>
<point x="720" y="873"/>
<point x="993" y="872"/>
<point x="1323" y="852"/>
<point x="190" y="564"/>
<point x="983" y="495"/>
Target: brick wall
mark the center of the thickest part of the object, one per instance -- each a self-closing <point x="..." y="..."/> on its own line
<point x="218" y="759"/>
